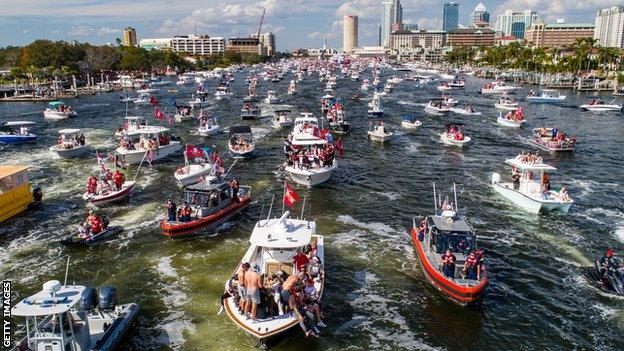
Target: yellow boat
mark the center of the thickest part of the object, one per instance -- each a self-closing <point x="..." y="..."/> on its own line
<point x="15" y="193"/>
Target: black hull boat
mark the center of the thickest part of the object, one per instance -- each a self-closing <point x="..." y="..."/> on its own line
<point x="611" y="279"/>
<point x="106" y="234"/>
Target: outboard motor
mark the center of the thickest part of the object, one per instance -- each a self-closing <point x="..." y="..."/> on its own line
<point x="88" y="300"/>
<point x="105" y="222"/>
<point x="107" y="297"/>
<point x="37" y="194"/>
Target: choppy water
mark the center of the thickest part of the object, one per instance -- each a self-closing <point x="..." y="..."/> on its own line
<point x="376" y="296"/>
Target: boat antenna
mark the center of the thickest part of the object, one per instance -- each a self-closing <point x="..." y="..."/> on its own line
<point x="271" y="207"/>
<point x="435" y="202"/>
<point x="229" y="169"/>
<point x="455" y="195"/>
<point x="261" y="211"/>
<point x="303" y="206"/>
<point x="66" y="271"/>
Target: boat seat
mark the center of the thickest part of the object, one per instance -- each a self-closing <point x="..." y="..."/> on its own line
<point x="273" y="267"/>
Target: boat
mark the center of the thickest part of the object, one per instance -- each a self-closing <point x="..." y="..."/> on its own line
<point x="223" y="92"/>
<point x="10" y="135"/>
<point x="211" y="204"/>
<point x="457" y="84"/>
<point x="146" y="89"/>
<point x="527" y="187"/>
<point x="240" y="142"/>
<point x="250" y="111"/>
<point x="468" y="111"/>
<point x="444" y="86"/>
<point x="328" y="94"/>
<point x="375" y="108"/>
<point x="437" y="106"/>
<point x="183" y="112"/>
<point x="292" y="88"/>
<point x="271" y="98"/>
<point x="608" y="271"/>
<point x="91" y="239"/>
<point x="70" y="143"/>
<point x="197" y="169"/>
<point x="199" y="102"/>
<point x="154" y="144"/>
<point x="58" y="110"/>
<point x="552" y="140"/>
<point x="448" y="230"/>
<point x="508" y="104"/>
<point x="185" y="80"/>
<point x="273" y="242"/>
<point x="16" y="195"/>
<point x="132" y="127"/>
<point x="144" y="99"/>
<point x="378" y="132"/>
<point x="453" y="135"/>
<point x="511" y="119"/>
<point x="597" y="105"/>
<point x="499" y="87"/>
<point x="546" y="96"/>
<point x="449" y="101"/>
<point x="281" y="119"/>
<point x="337" y="121"/>
<point x="208" y="125"/>
<point x="410" y="123"/>
<point x="75" y="316"/>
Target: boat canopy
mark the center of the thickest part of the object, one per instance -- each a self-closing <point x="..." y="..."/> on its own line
<point x="529" y="166"/>
<point x="207" y="187"/>
<point x="56" y="103"/>
<point x="134" y="118"/>
<point x="447" y="224"/>
<point x="18" y="123"/>
<point x="6" y="171"/>
<point x="282" y="232"/>
<point x="44" y="304"/>
<point x="153" y="130"/>
<point x="240" y="130"/>
<point x="69" y="131"/>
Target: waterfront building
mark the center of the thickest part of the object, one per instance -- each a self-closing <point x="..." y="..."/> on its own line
<point x="561" y="34"/>
<point x="391" y="12"/>
<point x="515" y="23"/>
<point x="403" y="41"/>
<point x="268" y="41"/>
<point x="479" y="15"/>
<point x="370" y="52"/>
<point x="198" y="44"/>
<point x="155" y="43"/>
<point x="450" y="16"/>
<point x="129" y="37"/>
<point x="246" y="45"/>
<point x="470" y="37"/>
<point x="609" y="27"/>
<point x="349" y="33"/>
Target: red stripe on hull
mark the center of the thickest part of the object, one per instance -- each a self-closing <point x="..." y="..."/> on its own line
<point x="115" y="197"/>
<point x="458" y="292"/>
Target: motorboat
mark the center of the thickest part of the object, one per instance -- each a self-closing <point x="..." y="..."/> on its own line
<point x="307" y="136"/>
<point x="394" y="80"/>
<point x="92" y="239"/>
<point x="446" y="76"/>
<point x="250" y="111"/>
<point x="292" y="88"/>
<point x="212" y="203"/>
<point x="154" y="144"/>
<point x="58" y="110"/>
<point x="410" y="123"/>
<point x="444" y="87"/>
<point x="597" y="105"/>
<point x="528" y="188"/>
<point x="146" y="89"/>
<point x="467" y="111"/>
<point x="508" y="104"/>
<point x="70" y="143"/>
<point x="453" y="135"/>
<point x="499" y="87"/>
<point x="208" y="125"/>
<point x="9" y="134"/>
<point x="74" y="316"/>
<point x="511" y="119"/>
<point x="446" y="230"/>
<point x="457" y="84"/>
<point x="281" y="119"/>
<point x="449" y="100"/>
<point x="437" y="106"/>
<point x="273" y="244"/>
<point x="183" y="113"/>
<point x="546" y="96"/>
<point x="198" y="102"/>
<point x="196" y="167"/>
<point x="185" y="80"/>
<point x="375" y="108"/>
<point x="328" y="94"/>
<point x="610" y="276"/>
<point x="337" y="120"/>
<point x="379" y="133"/>
<point x="102" y="197"/>
<point x="145" y="99"/>
<point x="271" y="98"/>
<point x="240" y="142"/>
<point x="132" y="127"/>
<point x="223" y="92"/>
<point x="552" y="140"/>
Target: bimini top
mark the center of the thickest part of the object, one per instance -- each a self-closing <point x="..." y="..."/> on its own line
<point x="56" y="103"/>
<point x="282" y="232"/>
<point x="523" y="166"/>
<point x="450" y="224"/>
<point x="69" y="131"/>
<point x="206" y="186"/>
<point x="44" y="304"/>
<point x="134" y="118"/>
<point x="281" y="111"/>
<point x="18" y="123"/>
<point x="240" y="130"/>
<point x="153" y="130"/>
<point x="6" y="171"/>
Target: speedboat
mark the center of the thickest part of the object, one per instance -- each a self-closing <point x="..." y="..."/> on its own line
<point x="212" y="203"/>
<point x="145" y="99"/>
<point x="448" y="230"/>
<point x="273" y="244"/>
<point x="454" y="135"/>
<point x="437" y="106"/>
<point x="74" y="316"/>
<point x="328" y="94"/>
<point x="223" y="92"/>
<point x="271" y="98"/>
<point x="185" y="80"/>
<point x="468" y="111"/>
<point x="104" y="197"/>
<point x="526" y="188"/>
<point x="58" y="110"/>
<point x="511" y="119"/>
<point x="546" y="96"/>
<point x="410" y="123"/>
<point x="183" y="112"/>
<point x="281" y="119"/>
<point x="449" y="101"/>
<point x="70" y="143"/>
<point x="508" y="104"/>
<point x="379" y="133"/>
<point x="147" y="89"/>
<point x="208" y="125"/>
<point x="337" y="121"/>
<point x="597" y="105"/>
<point x="444" y="87"/>
<point x="547" y="139"/>
<point x="457" y="84"/>
<point x="250" y="111"/>
<point x="154" y="144"/>
<point x="375" y="107"/>
<point x="240" y="142"/>
<point x="199" y="102"/>
<point x="196" y="168"/>
<point x="93" y="239"/>
<point x="10" y="135"/>
<point x="132" y="127"/>
<point x="499" y="87"/>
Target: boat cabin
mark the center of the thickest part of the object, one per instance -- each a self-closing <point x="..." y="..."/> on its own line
<point x="15" y="193"/>
<point x="10" y="128"/>
<point x="207" y="198"/>
<point x="450" y="231"/>
<point x="531" y="175"/>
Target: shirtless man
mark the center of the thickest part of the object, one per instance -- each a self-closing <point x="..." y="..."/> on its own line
<point x="252" y="285"/>
<point x="242" y="270"/>
<point x="287" y="287"/>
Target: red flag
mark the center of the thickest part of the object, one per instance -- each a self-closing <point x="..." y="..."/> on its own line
<point x="153" y="100"/>
<point x="158" y="114"/>
<point x="193" y="151"/>
<point x="290" y="196"/>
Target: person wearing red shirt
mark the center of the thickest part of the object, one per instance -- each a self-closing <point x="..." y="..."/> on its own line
<point x="300" y="260"/>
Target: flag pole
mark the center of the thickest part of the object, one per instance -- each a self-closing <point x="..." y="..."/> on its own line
<point x="140" y="164"/>
<point x="303" y="206"/>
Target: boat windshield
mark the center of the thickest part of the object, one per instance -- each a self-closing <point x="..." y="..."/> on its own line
<point x="457" y="242"/>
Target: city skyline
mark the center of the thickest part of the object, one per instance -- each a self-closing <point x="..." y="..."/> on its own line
<point x="296" y="23"/>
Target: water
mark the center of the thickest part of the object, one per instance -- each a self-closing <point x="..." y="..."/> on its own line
<point x="376" y="296"/>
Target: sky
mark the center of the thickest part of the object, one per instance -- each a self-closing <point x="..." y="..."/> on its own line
<point x="296" y="23"/>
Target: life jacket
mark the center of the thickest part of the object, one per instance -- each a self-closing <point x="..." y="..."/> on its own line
<point x="118" y="177"/>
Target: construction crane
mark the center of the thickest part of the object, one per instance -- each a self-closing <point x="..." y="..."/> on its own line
<point x="260" y="26"/>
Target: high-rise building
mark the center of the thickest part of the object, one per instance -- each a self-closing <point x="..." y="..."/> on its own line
<point x="349" y="33"/>
<point x="268" y="41"/>
<point x="397" y="15"/>
<point x="479" y="15"/>
<point x="129" y="37"/>
<point x="391" y="12"/>
<point x="450" y="16"/>
<point x="609" y="29"/>
<point x="560" y="34"/>
<point x="197" y="44"/>
<point x="515" y="23"/>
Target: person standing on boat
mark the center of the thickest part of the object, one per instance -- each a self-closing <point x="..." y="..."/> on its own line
<point x="119" y="179"/>
<point x="92" y="185"/>
<point x="607" y="262"/>
<point x="300" y="260"/>
<point x="471" y="267"/>
<point x="186" y="212"/>
<point x="171" y="211"/>
<point x="242" y="291"/>
<point x="515" y="179"/>
<point x="252" y="297"/>
<point x="448" y="264"/>
<point x="234" y="185"/>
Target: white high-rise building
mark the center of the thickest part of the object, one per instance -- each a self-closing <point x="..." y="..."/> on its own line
<point x="609" y="30"/>
<point x="391" y="12"/>
<point x="515" y="23"/>
<point x="198" y="44"/>
<point x="479" y="14"/>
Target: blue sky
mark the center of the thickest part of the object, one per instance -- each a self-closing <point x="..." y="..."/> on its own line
<point x="297" y="23"/>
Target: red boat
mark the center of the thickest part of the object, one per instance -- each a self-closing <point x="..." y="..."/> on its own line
<point x="211" y="205"/>
<point x="448" y="230"/>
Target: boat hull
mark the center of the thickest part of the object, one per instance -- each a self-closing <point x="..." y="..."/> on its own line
<point x="73" y="152"/>
<point x="541" y="146"/>
<point x="530" y="204"/>
<point x="126" y="190"/>
<point x="452" y="142"/>
<point x="17" y="139"/>
<point x="310" y="178"/>
<point x="507" y="123"/>
<point x="58" y="115"/>
<point x="134" y="157"/>
<point x="94" y="240"/>
<point x="194" y="176"/>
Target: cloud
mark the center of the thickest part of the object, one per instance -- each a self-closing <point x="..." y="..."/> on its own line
<point x="314" y="35"/>
<point x="107" y="30"/>
<point x="81" y="30"/>
<point x="557" y="8"/>
<point x="364" y="9"/>
<point x="429" y="23"/>
<point x="24" y="31"/>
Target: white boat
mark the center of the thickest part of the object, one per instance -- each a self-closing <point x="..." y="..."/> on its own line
<point x="468" y="111"/>
<point x="437" y="106"/>
<point x="147" y="90"/>
<point x="597" y="105"/>
<point x="185" y="80"/>
<point x="223" y="93"/>
<point x="547" y="139"/>
<point x="510" y="122"/>
<point x="546" y="96"/>
<point x="527" y="192"/>
<point x="250" y="111"/>
<point x="196" y="169"/>
<point x="394" y="80"/>
<point x="58" y="110"/>
<point x="449" y="101"/>
<point x="70" y="143"/>
<point x="454" y="135"/>
<point x="292" y="88"/>
<point x="271" y="98"/>
<point x="273" y="243"/>
<point x="143" y="99"/>
<point x="379" y="133"/>
<point x="446" y="76"/>
<point x="240" y="142"/>
<point x="198" y="102"/>
<point x="183" y="113"/>
<point x="72" y="317"/>
<point x="109" y="196"/>
<point x="154" y="144"/>
<point x="208" y="126"/>
<point x="499" y="87"/>
<point x="444" y="87"/>
<point x="375" y="108"/>
<point x="328" y="94"/>
<point x="457" y="84"/>
<point x="507" y="104"/>
<point x="281" y="119"/>
<point x="410" y="123"/>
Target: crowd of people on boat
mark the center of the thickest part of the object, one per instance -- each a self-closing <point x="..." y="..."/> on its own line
<point x="104" y="186"/>
<point x="240" y="143"/>
<point x="454" y="132"/>
<point x="473" y="265"/>
<point x="314" y="157"/>
<point x="262" y="296"/>
<point x="151" y="144"/>
<point x="92" y="225"/>
<point x="515" y="116"/>
<point x="554" y="138"/>
<point x="68" y="142"/>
